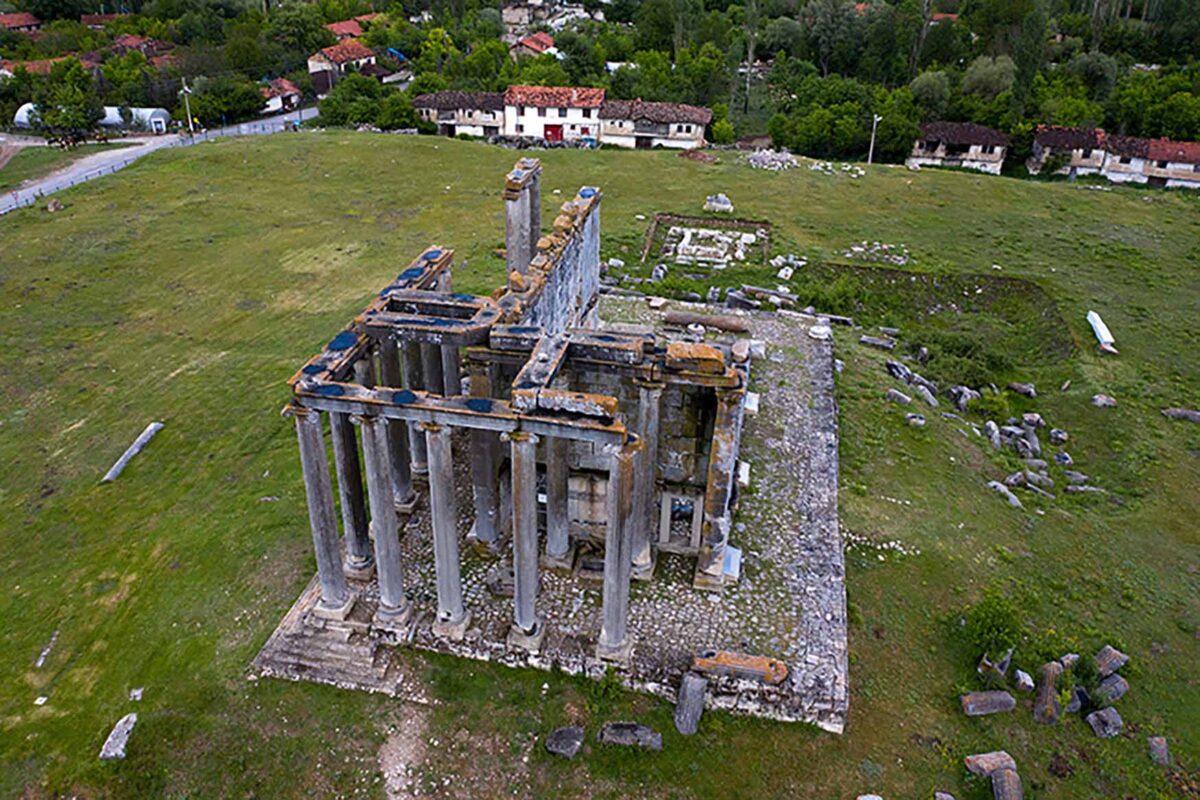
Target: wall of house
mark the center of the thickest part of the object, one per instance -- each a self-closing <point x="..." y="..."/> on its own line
<point x="1133" y="172"/>
<point x="531" y="124"/>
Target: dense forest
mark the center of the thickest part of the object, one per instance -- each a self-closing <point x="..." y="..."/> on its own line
<point x="812" y="75"/>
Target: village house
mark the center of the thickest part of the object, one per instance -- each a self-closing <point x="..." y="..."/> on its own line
<point x="330" y="63"/>
<point x="470" y="113"/>
<point x="642" y="125"/>
<point x="128" y="42"/>
<point x="1081" y="150"/>
<point x="553" y="113"/>
<point x="959" y="144"/>
<point x="20" y="22"/>
<point x="280" y="95"/>
<point x="97" y="22"/>
<point x="351" y="28"/>
<point x="536" y="44"/>
<point x="1175" y="165"/>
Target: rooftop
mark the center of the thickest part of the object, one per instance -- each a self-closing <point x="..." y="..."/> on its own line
<point x="453" y="100"/>
<point x="346" y="51"/>
<point x="1179" y="152"/>
<point x="655" y="112"/>
<point x="962" y="133"/>
<point x="539" y="42"/>
<point x="20" y="19"/>
<point x="554" y="96"/>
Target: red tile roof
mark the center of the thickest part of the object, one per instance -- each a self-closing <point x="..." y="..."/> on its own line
<point x="1179" y="152"/>
<point x="453" y="101"/>
<point x="538" y="42"/>
<point x="41" y="67"/>
<point x="553" y="96"/>
<point x="345" y="28"/>
<point x="655" y="112"/>
<point x="21" y="19"/>
<point x="100" y="19"/>
<point x="280" y="87"/>
<point x="346" y="51"/>
<point x="962" y="133"/>
<point x="943" y="16"/>
<point x="1127" y="146"/>
<point x="1074" y="138"/>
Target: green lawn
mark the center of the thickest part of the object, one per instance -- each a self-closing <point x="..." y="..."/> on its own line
<point x="195" y="307"/>
<point x="35" y="162"/>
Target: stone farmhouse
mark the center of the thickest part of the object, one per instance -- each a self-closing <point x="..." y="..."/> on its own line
<point x="565" y="114"/>
<point x="1120" y="159"/>
<point x="959" y="144"/>
<point x="20" y="22"/>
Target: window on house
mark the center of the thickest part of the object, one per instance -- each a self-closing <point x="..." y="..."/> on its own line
<point x="520" y="111"/>
<point x="562" y="112"/>
<point x="1162" y="165"/>
<point x="1124" y="160"/>
<point x="1195" y="167"/>
<point x="1087" y="153"/>
<point x="587" y="113"/>
<point x="520" y="128"/>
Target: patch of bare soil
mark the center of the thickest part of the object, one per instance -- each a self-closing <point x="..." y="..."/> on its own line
<point x="403" y="752"/>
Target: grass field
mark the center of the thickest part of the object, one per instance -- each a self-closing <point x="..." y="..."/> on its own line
<point x="193" y="308"/>
<point x="35" y="162"/>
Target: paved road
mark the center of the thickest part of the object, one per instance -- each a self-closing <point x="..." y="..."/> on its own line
<point x="107" y="162"/>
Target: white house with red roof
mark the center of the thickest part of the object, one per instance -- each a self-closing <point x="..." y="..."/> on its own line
<point x="327" y="65"/>
<point x="642" y="125"/>
<point x="535" y="44"/>
<point x="553" y="113"/>
<point x="20" y="22"/>
<point x="280" y="95"/>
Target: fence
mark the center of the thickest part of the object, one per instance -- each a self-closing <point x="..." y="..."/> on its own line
<point x="20" y="200"/>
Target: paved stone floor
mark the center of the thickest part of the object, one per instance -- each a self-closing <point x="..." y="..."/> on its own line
<point x="789" y="604"/>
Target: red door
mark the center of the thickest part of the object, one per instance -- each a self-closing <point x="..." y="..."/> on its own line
<point x="553" y="133"/>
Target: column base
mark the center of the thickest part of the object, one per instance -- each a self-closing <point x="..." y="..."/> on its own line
<point x="407" y="506"/>
<point x="339" y="613"/>
<point x="564" y="562"/>
<point x="454" y="631"/>
<point x="645" y="572"/>
<point x="359" y="572"/>
<point x="484" y="547"/>
<point x="419" y="468"/>
<point x="393" y="620"/>
<point x="620" y="655"/>
<point x="530" y="642"/>
<point x="730" y="572"/>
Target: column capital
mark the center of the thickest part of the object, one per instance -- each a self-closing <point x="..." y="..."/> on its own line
<point x="519" y="436"/>
<point x="649" y="384"/>
<point x="431" y="427"/>
<point x="297" y="411"/>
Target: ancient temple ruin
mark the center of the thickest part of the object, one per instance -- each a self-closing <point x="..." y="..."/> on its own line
<point x="591" y="451"/>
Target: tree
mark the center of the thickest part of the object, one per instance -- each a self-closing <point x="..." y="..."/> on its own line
<point x="832" y="28"/>
<point x="396" y="111"/>
<point x="931" y="91"/>
<point x="67" y="102"/>
<point x="354" y="100"/>
<point x="987" y="77"/>
<point x="298" y="28"/>
<point x="783" y="34"/>
<point x="224" y="99"/>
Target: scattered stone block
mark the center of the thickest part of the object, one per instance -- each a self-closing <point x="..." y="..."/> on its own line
<point x="1182" y="413"/>
<point x="915" y="420"/>
<point x="1074" y="477"/>
<point x="718" y="203"/>
<point x="743" y="474"/>
<point x="1012" y="499"/>
<point x="690" y="703"/>
<point x="1026" y="389"/>
<point x="565" y="742"/>
<point x="114" y="745"/>
<point x="1105" y="723"/>
<point x="942" y="796"/>
<point x="136" y="694"/>
<point x="875" y="341"/>
<point x="993" y="433"/>
<point x="1058" y="436"/>
<point x="1079" y="700"/>
<point x="1112" y="688"/>
<point x="1063" y="459"/>
<point x="984" y="764"/>
<point x="1006" y="785"/>
<point x="752" y="403"/>
<point x="630" y="734"/>
<point x="1024" y="681"/>
<point x="1109" y="660"/>
<point x="926" y="395"/>
<point x="962" y="395"/>
<point x="657" y="302"/>
<point x="981" y="704"/>
<point x="1045" y="707"/>
<point x="899" y="371"/>
<point x="897" y="396"/>
<point x="1069" y="660"/>
<point x="1103" y="401"/>
<point x="869" y="797"/>
<point x="1159" y="753"/>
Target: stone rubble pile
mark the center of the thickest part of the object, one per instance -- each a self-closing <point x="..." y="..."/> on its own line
<point x="773" y="160"/>
<point x="880" y="252"/>
<point x="829" y="168"/>
<point x="719" y="202"/>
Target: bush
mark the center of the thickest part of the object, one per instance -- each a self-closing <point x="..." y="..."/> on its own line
<point x="993" y="625"/>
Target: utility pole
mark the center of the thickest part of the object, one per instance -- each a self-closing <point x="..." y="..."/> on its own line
<point x="187" y="107"/>
<point x="874" y="125"/>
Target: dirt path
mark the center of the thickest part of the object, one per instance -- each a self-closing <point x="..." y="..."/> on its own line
<point x="7" y="151"/>
<point x="403" y="752"/>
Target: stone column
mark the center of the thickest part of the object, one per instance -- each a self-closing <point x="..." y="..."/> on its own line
<point x="649" y="403"/>
<point x="414" y="380"/>
<point x="390" y="375"/>
<point x="615" y="643"/>
<point x="558" y="540"/>
<point x="451" y="371"/>
<point x="336" y="599"/>
<point x="722" y="465"/>
<point x="394" y="608"/>
<point x="533" y="198"/>
<point x="516" y="231"/>
<point x="360" y="562"/>
<point x="486" y="529"/>
<point x="451" y="618"/>
<point x="431" y="363"/>
<point x="527" y="630"/>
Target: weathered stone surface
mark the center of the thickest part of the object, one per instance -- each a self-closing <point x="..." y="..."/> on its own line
<point x="1159" y="753"/>
<point x="630" y="734"/>
<point x="1033" y="419"/>
<point x="1058" y="436"/>
<point x="566" y="741"/>
<point x="869" y="797"/>
<point x="961" y="396"/>
<point x="897" y="397"/>
<point x="923" y="392"/>
<point x="899" y="371"/>
<point x="1109" y="660"/>
<point x="1069" y="660"/>
<point x="942" y="796"/>
<point x="1012" y="499"/>
<point x="1103" y="401"/>
<point x="1046" y="707"/>
<point x="690" y="704"/>
<point x="916" y="420"/>
<point x="1026" y="389"/>
<point x="1006" y="785"/>
<point x="114" y="745"/>
<point x="1074" y="477"/>
<point x="1063" y="459"/>
<point x="993" y="433"/>
<point x="980" y="704"/>
<point x="1112" y="688"/>
<point x="1106" y="723"/>
<point x="1024" y="681"/>
<point x="984" y="764"/>
<point x="1188" y="414"/>
<point x="1079" y="700"/>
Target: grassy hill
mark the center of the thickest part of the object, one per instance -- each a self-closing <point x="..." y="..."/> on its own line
<point x="188" y="287"/>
